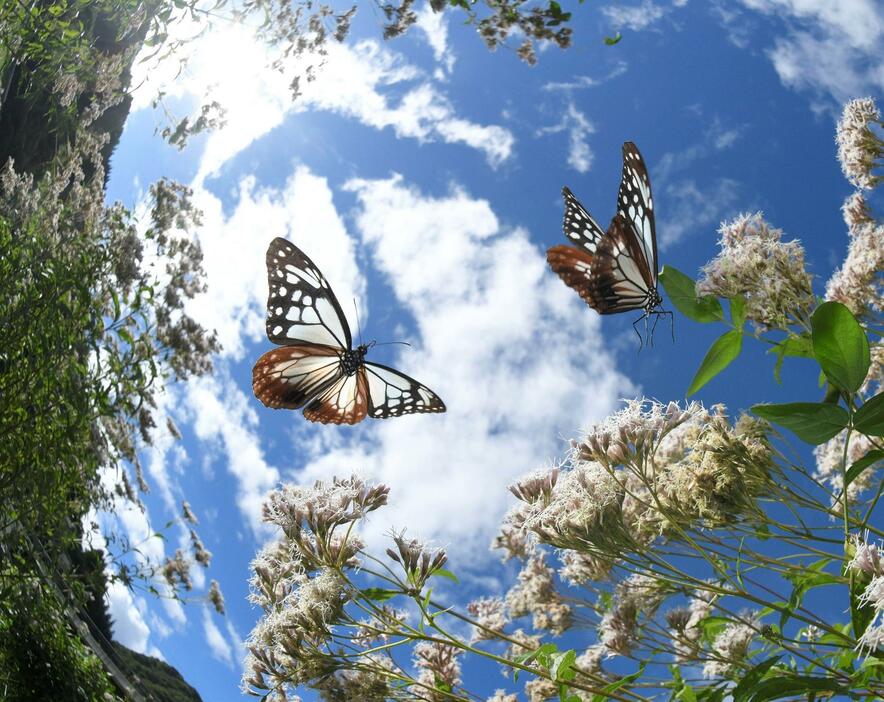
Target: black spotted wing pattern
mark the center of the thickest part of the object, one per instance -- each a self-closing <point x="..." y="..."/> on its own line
<point x="636" y="205"/>
<point x="613" y="271"/>
<point x="301" y="305"/>
<point x="316" y="367"/>
<point x="578" y="224"/>
<point x="392" y="393"/>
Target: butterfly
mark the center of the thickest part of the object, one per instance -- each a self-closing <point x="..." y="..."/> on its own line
<point x="615" y="270"/>
<point x="317" y="367"/>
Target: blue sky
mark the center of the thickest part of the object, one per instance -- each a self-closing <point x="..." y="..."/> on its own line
<point x="423" y="176"/>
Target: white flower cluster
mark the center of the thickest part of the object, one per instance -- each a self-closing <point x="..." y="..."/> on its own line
<point x="859" y="148"/>
<point x="868" y="564"/>
<point x="767" y="272"/>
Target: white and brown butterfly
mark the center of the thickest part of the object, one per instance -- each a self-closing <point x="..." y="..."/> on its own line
<point x="615" y="270"/>
<point x="317" y="367"/>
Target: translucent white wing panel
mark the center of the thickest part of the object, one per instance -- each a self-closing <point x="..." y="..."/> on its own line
<point x="578" y="225"/>
<point x="636" y="205"/>
<point x="301" y="305"/>
<point x="391" y="393"/>
<point x="290" y="376"/>
<point x="344" y="402"/>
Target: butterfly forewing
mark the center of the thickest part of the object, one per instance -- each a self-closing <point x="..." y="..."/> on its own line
<point x="301" y="305"/>
<point x="578" y="225"/>
<point x="344" y="402"/>
<point x="290" y="376"/>
<point x="392" y="393"/>
<point x="636" y="206"/>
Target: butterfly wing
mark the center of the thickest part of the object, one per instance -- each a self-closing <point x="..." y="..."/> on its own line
<point x="578" y="224"/>
<point x="636" y="206"/>
<point x="301" y="306"/>
<point x="392" y="393"/>
<point x="611" y="279"/>
<point x="290" y="376"/>
<point x="345" y="401"/>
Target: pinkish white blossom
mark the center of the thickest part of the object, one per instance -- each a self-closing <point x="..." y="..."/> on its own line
<point x="768" y="273"/>
<point x="859" y="148"/>
<point x="866" y="558"/>
<point x="730" y="647"/>
<point x="489" y="613"/>
<point x="535" y="594"/>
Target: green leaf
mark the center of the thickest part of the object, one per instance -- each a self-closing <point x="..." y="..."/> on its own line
<point x="720" y="355"/>
<point x="798" y="346"/>
<point x="746" y="686"/>
<point x="738" y="311"/>
<point x="869" y="419"/>
<point x="617" y="684"/>
<point x="379" y="594"/>
<point x="840" y="345"/>
<point x="542" y="652"/>
<point x="859" y="466"/>
<point x="610" y="41"/>
<point x="786" y="686"/>
<point x="683" y="293"/>
<point x="813" y="422"/>
<point x="561" y="665"/>
<point x="445" y="574"/>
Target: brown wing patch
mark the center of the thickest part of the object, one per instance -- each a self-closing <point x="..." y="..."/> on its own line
<point x="610" y="280"/>
<point x="290" y="376"/>
<point x="345" y="402"/>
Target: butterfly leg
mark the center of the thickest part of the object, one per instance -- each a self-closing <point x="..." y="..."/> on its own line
<point x="641" y="342"/>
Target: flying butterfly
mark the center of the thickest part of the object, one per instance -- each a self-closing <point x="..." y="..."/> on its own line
<point x="316" y="366"/>
<point x="615" y="270"/>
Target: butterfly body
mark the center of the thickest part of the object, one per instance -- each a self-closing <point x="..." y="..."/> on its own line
<point x="316" y="367"/>
<point x="615" y="270"/>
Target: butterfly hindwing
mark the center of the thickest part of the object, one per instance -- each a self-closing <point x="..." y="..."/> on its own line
<point x="392" y="393"/>
<point x="301" y="306"/>
<point x="578" y="224"/>
<point x="290" y="376"/>
<point x="344" y="402"/>
<point x="635" y="205"/>
<point x="610" y="280"/>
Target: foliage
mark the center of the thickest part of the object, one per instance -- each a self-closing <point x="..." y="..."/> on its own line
<point x="711" y="562"/>
<point x="39" y="658"/>
<point x="155" y="677"/>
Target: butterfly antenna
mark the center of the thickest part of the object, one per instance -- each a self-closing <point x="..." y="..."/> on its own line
<point x="388" y="343"/>
<point x="358" y="326"/>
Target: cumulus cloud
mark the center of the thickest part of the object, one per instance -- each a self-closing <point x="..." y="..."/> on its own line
<point x="831" y="49"/>
<point x="218" y="645"/>
<point x="366" y="82"/>
<point x="511" y="350"/>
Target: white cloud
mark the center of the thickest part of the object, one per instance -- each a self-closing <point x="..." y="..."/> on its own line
<point x="690" y="208"/>
<point x="635" y="17"/>
<point x="218" y="645"/>
<point x="516" y="356"/>
<point x="577" y="125"/>
<point x="832" y="49"/>
<point x="130" y="629"/>
<point x="434" y="26"/>
<point x="222" y="414"/>
<point x="234" y="247"/>
<point x="361" y="82"/>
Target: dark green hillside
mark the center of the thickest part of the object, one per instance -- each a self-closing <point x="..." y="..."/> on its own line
<point x="154" y="677"/>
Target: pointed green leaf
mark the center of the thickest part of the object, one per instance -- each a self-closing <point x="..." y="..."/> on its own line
<point x="720" y="355"/>
<point x="610" y="41"/>
<point x="617" y="684"/>
<point x="792" y="685"/>
<point x="869" y="419"/>
<point x="859" y="466"/>
<point x="379" y="594"/>
<point x="799" y="346"/>
<point x="561" y="665"/>
<point x="738" y="311"/>
<point x="746" y="686"/>
<point x="682" y="291"/>
<point x="445" y="574"/>
<point x="840" y="345"/>
<point x="813" y="422"/>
